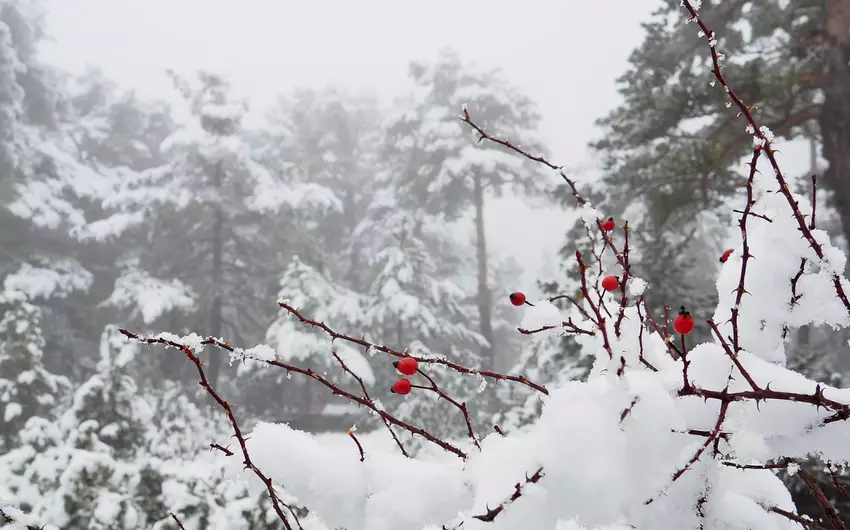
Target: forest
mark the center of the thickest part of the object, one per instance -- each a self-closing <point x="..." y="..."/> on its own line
<point x="290" y="263"/>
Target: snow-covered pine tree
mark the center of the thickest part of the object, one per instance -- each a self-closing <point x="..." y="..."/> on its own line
<point x="436" y="164"/>
<point x="46" y="193"/>
<point x="328" y="141"/>
<point x="27" y="388"/>
<point x="415" y="303"/>
<point x="195" y="224"/>
<point x="323" y="144"/>
<point x="298" y="402"/>
<point x="108" y="410"/>
<point x="86" y="470"/>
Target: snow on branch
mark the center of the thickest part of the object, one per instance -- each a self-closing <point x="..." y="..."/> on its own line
<point x="389" y="351"/>
<point x="189" y="351"/>
<point x="13" y="516"/>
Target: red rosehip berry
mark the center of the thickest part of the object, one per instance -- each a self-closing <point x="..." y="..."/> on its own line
<point x="402" y="386"/>
<point x="684" y="322"/>
<point x="407" y="366"/>
<point x="610" y="283"/>
<point x="609" y="224"/>
<point x="726" y="255"/>
<point x="518" y="299"/>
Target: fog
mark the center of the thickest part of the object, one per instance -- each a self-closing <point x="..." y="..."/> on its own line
<point x="566" y="55"/>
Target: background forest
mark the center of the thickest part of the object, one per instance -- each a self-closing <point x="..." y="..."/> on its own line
<point x="121" y="211"/>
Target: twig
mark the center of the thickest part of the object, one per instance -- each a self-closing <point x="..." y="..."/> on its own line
<point x="810" y="525"/>
<point x="178" y="521"/>
<point x="492" y="513"/>
<point x="724" y="407"/>
<point x="640" y="340"/>
<point x="369" y="398"/>
<point x="187" y="351"/>
<point x="6" y="518"/>
<point x="569" y="326"/>
<point x="460" y="406"/>
<point x="389" y="351"/>
<point x="745" y="256"/>
<point x="335" y="390"/>
<point x="671" y="347"/>
<point x="732" y="355"/>
<point x="225" y="450"/>
<point x="837" y="483"/>
<point x="627" y="270"/>
<point x="356" y="441"/>
<point x="600" y="320"/>
<point x="759" y="133"/>
<point x="814" y="201"/>
<point x="504" y="143"/>
<point x="824" y="504"/>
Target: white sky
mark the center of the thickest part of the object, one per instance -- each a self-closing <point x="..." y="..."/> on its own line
<point x="565" y="54"/>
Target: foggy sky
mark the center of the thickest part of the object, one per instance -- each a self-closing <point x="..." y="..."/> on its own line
<point x="565" y="54"/>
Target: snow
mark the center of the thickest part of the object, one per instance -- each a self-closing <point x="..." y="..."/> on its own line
<point x="619" y="450"/>
<point x="623" y="431"/>
<point x="150" y="297"/>
<point x="13" y="410"/>
<point x="636" y="286"/>
<point x="57" y="279"/>
<point x="356" y="362"/>
<point x="542" y="314"/>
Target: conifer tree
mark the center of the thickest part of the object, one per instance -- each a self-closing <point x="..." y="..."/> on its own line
<point x="27" y="388"/>
<point x="435" y="163"/>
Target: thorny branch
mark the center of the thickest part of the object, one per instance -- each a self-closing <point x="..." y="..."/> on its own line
<point x="178" y="521"/>
<point x="627" y="270"/>
<point x="492" y="513"/>
<point x="277" y="503"/>
<point x="724" y="407"/>
<point x="769" y="152"/>
<point x="536" y="158"/>
<point x="369" y="398"/>
<point x="335" y="389"/>
<point x="6" y="518"/>
<point x="826" y="507"/>
<point x="839" y="411"/>
<point x="389" y="351"/>
<point x="599" y="320"/>
<point x="745" y="255"/>
<point x="460" y="406"/>
<point x="356" y="441"/>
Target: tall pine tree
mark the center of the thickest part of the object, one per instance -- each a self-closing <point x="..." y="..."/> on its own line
<point x="435" y="162"/>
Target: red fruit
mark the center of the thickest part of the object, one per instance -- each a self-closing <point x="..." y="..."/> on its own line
<point x="610" y="283"/>
<point x="726" y="255"/>
<point x="402" y="386"/>
<point x="517" y="298"/>
<point x="684" y="322"/>
<point x="609" y="224"/>
<point x="407" y="366"/>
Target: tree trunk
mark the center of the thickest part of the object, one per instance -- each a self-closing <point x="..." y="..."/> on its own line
<point x="217" y="278"/>
<point x="485" y="304"/>
<point x="834" y="119"/>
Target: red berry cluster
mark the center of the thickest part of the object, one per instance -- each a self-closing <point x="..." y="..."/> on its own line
<point x="407" y="366"/>
<point x="683" y="324"/>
